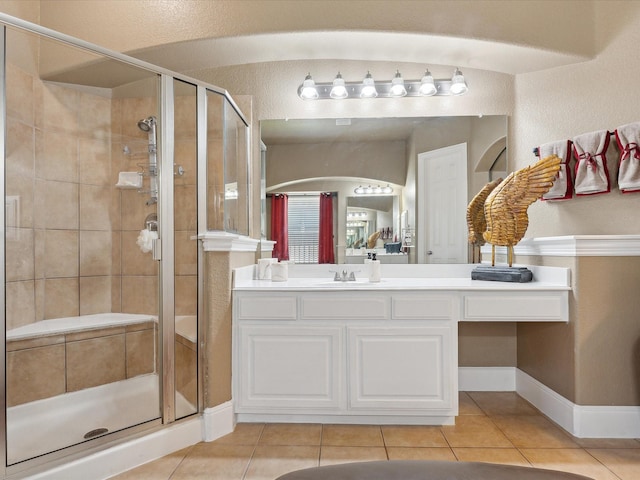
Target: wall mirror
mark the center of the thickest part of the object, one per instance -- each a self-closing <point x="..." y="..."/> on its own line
<point x="340" y="155"/>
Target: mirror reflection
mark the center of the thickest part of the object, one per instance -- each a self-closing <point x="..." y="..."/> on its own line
<point x="372" y="166"/>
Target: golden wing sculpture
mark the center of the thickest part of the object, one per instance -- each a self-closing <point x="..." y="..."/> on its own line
<point x="476" y="222"/>
<point x="373" y="238"/>
<point x="506" y="206"/>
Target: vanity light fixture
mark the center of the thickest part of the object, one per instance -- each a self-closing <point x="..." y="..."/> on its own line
<point x="398" y="87"/>
<point x="338" y="90"/>
<point x="377" y="190"/>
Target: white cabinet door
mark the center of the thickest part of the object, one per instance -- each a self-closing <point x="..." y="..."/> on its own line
<point x="290" y="368"/>
<point x="403" y="369"/>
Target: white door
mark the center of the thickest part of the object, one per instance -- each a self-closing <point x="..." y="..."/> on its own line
<point x="442" y="205"/>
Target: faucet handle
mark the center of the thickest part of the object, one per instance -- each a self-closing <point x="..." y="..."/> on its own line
<point x="352" y="277"/>
<point x="336" y="277"/>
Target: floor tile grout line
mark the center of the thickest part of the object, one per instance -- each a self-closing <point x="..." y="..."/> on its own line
<point x="601" y="463"/>
<point x="173" y="472"/>
<point x="255" y="446"/>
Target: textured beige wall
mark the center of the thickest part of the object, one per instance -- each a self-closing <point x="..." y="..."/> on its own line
<point x="383" y="161"/>
<point x="564" y="102"/>
<point x="218" y="278"/>
<point x="595" y="358"/>
<point x="487" y="344"/>
<point x="547" y="351"/>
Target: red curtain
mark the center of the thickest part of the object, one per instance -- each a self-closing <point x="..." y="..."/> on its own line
<point x="280" y="225"/>
<point x="325" y="240"/>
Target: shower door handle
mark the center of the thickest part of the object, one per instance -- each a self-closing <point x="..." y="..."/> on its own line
<point x="156" y="249"/>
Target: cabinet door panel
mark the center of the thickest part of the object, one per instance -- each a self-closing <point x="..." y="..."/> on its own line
<point x="290" y="367"/>
<point x="402" y="368"/>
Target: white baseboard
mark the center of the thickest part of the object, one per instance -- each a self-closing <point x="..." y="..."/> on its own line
<point x="218" y="421"/>
<point x="552" y="404"/>
<point x="582" y="421"/>
<point x="486" y="379"/>
<point x="127" y="455"/>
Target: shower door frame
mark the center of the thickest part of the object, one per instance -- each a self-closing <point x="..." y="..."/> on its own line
<point x="166" y="288"/>
<point x="3" y="320"/>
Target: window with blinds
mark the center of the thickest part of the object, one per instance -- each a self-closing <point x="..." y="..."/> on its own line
<point x="304" y="226"/>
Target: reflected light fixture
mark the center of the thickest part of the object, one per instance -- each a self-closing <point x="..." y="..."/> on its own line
<point x="370" y="190"/>
<point x="427" y="85"/>
<point x="368" y="87"/>
<point x="458" y="85"/>
<point x="338" y="90"/>
<point x="397" y="87"/>
<point x="308" y="90"/>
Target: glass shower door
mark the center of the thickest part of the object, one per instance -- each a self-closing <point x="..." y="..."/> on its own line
<point x="186" y="249"/>
<point x="81" y="285"/>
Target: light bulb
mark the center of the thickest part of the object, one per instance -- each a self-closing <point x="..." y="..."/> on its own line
<point x="427" y="85"/>
<point x="338" y="90"/>
<point x="368" y="87"/>
<point x="309" y="91"/>
<point x="458" y="85"/>
<point x="397" y="86"/>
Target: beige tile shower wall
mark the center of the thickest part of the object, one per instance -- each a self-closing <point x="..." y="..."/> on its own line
<point x="59" y="236"/>
<point x="135" y="274"/>
<point x="51" y="365"/>
<point x="185" y="207"/>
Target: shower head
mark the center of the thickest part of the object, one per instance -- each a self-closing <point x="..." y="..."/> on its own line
<point x="146" y="124"/>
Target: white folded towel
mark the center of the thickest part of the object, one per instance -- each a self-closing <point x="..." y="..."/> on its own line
<point x="628" y="139"/>
<point x="592" y="174"/>
<point x="562" y="186"/>
<point x="145" y="240"/>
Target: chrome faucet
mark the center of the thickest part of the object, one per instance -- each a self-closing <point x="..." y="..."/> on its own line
<point x="344" y="276"/>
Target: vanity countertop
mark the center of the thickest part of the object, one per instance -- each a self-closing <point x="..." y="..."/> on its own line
<point x="398" y="277"/>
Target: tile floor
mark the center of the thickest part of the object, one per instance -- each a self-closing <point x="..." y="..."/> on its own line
<point x="497" y="427"/>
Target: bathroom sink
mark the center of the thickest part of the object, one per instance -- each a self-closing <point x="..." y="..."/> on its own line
<point x="361" y="282"/>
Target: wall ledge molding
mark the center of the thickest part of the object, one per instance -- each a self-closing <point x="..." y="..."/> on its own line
<point x="219" y="241"/>
<point x="575" y="246"/>
<point x="267" y="245"/>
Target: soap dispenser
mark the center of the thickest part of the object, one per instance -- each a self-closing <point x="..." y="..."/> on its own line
<point x="374" y="269"/>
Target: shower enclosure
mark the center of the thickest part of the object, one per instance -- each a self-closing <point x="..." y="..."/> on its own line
<point x="112" y="168"/>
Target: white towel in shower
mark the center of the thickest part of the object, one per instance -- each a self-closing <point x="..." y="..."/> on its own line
<point x="145" y="240"/>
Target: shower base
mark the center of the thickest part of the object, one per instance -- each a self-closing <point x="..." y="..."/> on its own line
<point x="47" y="425"/>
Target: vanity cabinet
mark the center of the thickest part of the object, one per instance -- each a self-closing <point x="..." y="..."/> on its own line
<point x="345" y="357"/>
